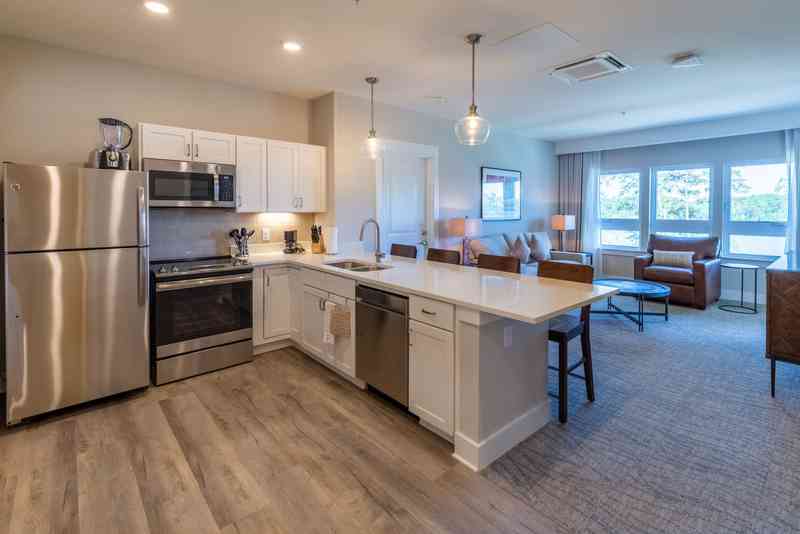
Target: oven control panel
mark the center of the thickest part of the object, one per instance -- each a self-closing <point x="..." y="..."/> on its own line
<point x="226" y="188"/>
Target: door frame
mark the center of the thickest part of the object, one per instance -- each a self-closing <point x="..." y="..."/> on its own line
<point x="430" y="154"/>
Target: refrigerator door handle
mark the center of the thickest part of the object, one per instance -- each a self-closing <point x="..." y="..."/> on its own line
<point x="142" y="215"/>
<point x="143" y="276"/>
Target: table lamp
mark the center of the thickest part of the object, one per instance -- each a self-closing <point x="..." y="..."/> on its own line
<point x="463" y="227"/>
<point x="562" y="223"/>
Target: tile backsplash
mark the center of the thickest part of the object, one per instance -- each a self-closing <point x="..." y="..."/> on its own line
<point x="198" y="232"/>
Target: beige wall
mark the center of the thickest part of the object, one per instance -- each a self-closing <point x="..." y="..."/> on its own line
<point x="50" y="99"/>
<point x="353" y="196"/>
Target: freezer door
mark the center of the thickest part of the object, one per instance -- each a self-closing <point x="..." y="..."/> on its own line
<point x="76" y="328"/>
<point x="66" y="208"/>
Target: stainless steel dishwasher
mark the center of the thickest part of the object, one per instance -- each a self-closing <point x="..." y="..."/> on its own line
<point x="382" y="341"/>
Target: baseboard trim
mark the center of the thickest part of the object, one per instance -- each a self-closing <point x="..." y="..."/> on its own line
<point x="478" y="456"/>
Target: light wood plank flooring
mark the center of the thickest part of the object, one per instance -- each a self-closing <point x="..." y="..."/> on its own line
<point x="281" y="445"/>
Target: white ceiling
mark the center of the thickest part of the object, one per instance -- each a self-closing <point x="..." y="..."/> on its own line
<point x="751" y="51"/>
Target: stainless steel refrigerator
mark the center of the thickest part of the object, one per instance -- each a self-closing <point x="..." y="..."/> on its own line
<point x="75" y="277"/>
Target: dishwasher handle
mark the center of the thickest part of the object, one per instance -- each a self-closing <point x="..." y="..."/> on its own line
<point x="380" y="309"/>
<point x="382" y="299"/>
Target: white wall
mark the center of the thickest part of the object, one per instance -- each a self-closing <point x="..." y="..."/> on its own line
<point x="740" y="125"/>
<point x="714" y="152"/>
<point x="50" y="99"/>
<point x="353" y="195"/>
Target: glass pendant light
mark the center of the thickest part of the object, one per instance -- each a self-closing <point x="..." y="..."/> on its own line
<point x="373" y="147"/>
<point x="473" y="129"/>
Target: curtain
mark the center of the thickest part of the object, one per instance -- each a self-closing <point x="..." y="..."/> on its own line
<point x="793" y="161"/>
<point x="577" y="193"/>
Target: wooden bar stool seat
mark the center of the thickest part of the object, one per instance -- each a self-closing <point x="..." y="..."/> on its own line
<point x="444" y="256"/>
<point x="567" y="327"/>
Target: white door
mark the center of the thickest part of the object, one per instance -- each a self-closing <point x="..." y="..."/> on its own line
<point x="343" y="352"/>
<point x="310" y="180"/>
<point x="281" y="172"/>
<point x="251" y="174"/>
<point x="165" y="142"/>
<point x="277" y="306"/>
<point x="405" y="192"/>
<point x="214" y="147"/>
<point x="431" y="366"/>
<point x="313" y="320"/>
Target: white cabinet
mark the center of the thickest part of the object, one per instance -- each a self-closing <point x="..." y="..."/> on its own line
<point x="282" y="168"/>
<point x="310" y="180"/>
<point x="431" y="376"/>
<point x="183" y="144"/>
<point x="251" y="174"/>
<point x="165" y="142"/>
<point x="296" y="296"/>
<point x="272" y="304"/>
<point x="214" y="147"/>
<point x="313" y="321"/>
<point x="342" y="353"/>
<point x="295" y="177"/>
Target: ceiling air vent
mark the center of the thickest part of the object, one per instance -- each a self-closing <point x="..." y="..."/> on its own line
<point x="590" y="68"/>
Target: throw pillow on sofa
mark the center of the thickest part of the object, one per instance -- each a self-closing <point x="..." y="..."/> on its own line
<point x="539" y="243"/>
<point x="521" y="250"/>
<point x="673" y="258"/>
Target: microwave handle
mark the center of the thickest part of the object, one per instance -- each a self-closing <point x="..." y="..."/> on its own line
<point x="216" y="188"/>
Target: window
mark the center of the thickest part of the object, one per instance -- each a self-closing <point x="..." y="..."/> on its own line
<point x="757" y="209"/>
<point x="619" y="209"/>
<point x="681" y="199"/>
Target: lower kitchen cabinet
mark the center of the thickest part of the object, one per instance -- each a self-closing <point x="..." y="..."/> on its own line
<point x="313" y="321"/>
<point x="296" y="308"/>
<point x="431" y="370"/>
<point x="343" y="352"/>
<point x="272" y="304"/>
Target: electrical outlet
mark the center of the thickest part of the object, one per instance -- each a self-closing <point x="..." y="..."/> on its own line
<point x="507" y="337"/>
<point x="264" y="233"/>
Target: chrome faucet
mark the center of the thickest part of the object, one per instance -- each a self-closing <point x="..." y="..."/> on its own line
<point x="378" y="253"/>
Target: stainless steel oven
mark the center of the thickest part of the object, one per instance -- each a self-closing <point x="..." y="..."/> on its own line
<point x="190" y="184"/>
<point x="202" y="317"/>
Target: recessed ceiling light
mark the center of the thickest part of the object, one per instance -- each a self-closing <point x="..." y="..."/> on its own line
<point x="292" y="46"/>
<point x="157" y="7"/>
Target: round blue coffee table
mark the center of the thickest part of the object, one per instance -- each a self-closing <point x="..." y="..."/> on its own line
<point x="641" y="290"/>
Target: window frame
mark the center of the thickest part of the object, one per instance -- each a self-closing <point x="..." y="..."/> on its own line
<point x="755" y="229"/>
<point x="627" y="225"/>
<point x="705" y="227"/>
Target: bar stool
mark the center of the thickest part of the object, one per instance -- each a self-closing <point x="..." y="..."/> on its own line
<point x="566" y="327"/>
<point x="444" y="256"/>
<point x="509" y="264"/>
<point x="405" y="251"/>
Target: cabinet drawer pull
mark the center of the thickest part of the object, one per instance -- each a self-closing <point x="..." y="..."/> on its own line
<point x="196" y="150"/>
<point x="188" y="150"/>
<point x="426" y="312"/>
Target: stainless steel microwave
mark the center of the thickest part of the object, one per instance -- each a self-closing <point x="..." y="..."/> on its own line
<point x="189" y="184"/>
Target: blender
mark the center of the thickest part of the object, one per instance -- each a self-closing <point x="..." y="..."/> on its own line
<point x="115" y="137"/>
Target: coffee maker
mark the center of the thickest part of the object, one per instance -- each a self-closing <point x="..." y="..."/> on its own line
<point x="113" y="134"/>
<point x="291" y="244"/>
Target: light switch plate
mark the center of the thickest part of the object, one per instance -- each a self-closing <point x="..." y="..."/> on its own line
<point x="264" y="233"/>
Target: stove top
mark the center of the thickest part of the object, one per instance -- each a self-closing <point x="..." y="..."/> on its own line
<point x="166" y="268"/>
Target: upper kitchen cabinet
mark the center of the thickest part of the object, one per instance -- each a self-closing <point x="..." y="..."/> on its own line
<point x="295" y="177"/>
<point x="213" y="147"/>
<point x="182" y="144"/>
<point x="251" y="174"/>
<point x="165" y="142"/>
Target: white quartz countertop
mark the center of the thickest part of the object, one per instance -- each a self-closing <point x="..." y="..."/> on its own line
<point x="523" y="298"/>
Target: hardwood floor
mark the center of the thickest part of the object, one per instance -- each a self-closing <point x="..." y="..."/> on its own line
<point x="281" y="445"/>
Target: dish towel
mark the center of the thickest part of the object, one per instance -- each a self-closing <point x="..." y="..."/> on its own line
<point x="340" y="321"/>
<point x="327" y="335"/>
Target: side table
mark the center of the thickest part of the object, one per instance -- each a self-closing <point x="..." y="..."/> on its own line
<point x="741" y="307"/>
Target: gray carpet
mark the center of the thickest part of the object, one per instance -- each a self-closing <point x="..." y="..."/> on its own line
<point x="683" y="438"/>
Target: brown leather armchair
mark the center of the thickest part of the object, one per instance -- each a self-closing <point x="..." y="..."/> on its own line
<point x="698" y="286"/>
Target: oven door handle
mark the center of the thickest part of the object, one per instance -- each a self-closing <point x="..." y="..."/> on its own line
<point x="203" y="282"/>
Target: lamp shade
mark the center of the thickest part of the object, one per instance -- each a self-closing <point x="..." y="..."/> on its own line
<point x="463" y="227"/>
<point x="563" y="223"/>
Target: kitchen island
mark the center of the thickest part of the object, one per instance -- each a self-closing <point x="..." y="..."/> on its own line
<point x="496" y="385"/>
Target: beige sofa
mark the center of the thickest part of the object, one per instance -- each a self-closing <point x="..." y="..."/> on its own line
<point x="539" y="248"/>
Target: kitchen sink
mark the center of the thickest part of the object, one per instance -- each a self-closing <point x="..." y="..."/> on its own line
<point x="358" y="266"/>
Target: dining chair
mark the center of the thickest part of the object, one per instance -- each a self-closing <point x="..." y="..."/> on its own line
<point x="509" y="264"/>
<point x="405" y="251"/>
